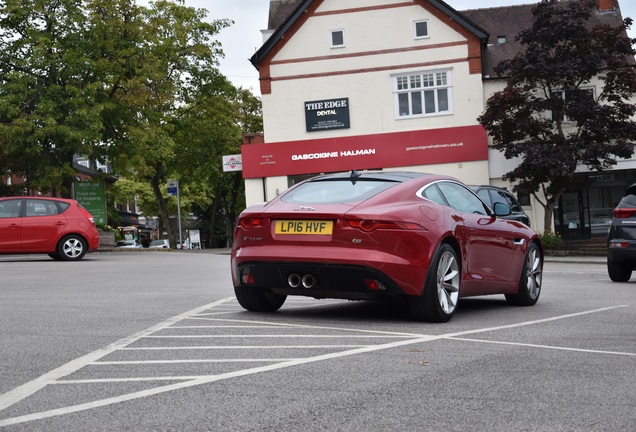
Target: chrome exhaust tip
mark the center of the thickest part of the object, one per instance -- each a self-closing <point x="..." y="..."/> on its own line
<point x="308" y="281"/>
<point x="293" y="280"/>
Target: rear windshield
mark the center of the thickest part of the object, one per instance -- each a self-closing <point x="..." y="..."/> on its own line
<point x="630" y="198"/>
<point x="336" y="191"/>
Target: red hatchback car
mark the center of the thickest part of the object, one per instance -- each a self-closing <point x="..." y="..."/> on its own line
<point x="59" y="227"/>
<point x="427" y="239"/>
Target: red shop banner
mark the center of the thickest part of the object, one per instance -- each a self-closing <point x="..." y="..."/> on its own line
<point x="425" y="147"/>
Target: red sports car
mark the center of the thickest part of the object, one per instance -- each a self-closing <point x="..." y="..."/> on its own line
<point x="59" y="227"/>
<point x="424" y="238"/>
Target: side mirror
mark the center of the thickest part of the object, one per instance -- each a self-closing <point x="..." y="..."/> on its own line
<point x="501" y="209"/>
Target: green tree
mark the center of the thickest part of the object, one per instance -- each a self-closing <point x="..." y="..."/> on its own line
<point x="549" y="115"/>
<point x="167" y="64"/>
<point x="215" y="127"/>
<point x="46" y="114"/>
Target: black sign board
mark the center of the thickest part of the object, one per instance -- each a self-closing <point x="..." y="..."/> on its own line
<point x="327" y="114"/>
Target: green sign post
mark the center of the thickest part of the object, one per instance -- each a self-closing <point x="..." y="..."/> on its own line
<point x="91" y="196"/>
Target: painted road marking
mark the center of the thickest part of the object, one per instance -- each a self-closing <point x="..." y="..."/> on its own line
<point x="58" y="376"/>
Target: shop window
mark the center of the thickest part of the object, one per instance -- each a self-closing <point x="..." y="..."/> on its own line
<point x="422" y="94"/>
<point x="337" y="38"/>
<point x="421" y="29"/>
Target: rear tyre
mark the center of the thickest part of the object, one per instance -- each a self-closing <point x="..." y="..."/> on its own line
<point x="259" y="299"/>
<point x="71" y="248"/>
<point x="438" y="301"/>
<point x="531" y="279"/>
<point x="619" y="271"/>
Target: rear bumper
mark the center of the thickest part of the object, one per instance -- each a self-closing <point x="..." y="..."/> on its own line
<point x="624" y="254"/>
<point x="337" y="272"/>
<point x="320" y="280"/>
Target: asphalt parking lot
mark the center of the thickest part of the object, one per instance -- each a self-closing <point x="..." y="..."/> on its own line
<point x="148" y="342"/>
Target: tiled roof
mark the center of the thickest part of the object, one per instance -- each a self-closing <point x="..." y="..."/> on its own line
<point x="508" y="21"/>
<point x="280" y="10"/>
<point x="505" y="21"/>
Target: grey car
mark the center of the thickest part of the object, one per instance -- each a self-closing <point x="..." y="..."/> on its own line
<point x="621" y="238"/>
<point x="494" y="194"/>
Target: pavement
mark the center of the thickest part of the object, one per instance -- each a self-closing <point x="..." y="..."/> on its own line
<point x="226" y="251"/>
<point x="576" y="259"/>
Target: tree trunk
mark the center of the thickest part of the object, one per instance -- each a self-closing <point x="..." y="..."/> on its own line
<point x="213" y="211"/>
<point x="161" y="203"/>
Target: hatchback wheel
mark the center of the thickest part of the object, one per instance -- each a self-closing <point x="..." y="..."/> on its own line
<point x="619" y="271"/>
<point x="71" y="248"/>
<point x="531" y="279"/>
<point x="438" y="301"/>
<point x="259" y="299"/>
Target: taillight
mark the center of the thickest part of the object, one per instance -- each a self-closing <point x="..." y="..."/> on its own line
<point x="249" y="222"/>
<point x="618" y="245"/>
<point x="622" y="213"/>
<point x="368" y="225"/>
<point x="87" y="214"/>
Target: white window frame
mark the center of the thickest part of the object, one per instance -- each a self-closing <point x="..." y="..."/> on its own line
<point x="344" y="40"/>
<point x="422" y="90"/>
<point x="428" y="29"/>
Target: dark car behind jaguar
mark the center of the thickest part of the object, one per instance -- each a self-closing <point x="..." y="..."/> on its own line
<point x="621" y="240"/>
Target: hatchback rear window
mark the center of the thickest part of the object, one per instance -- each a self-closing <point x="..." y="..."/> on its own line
<point x="630" y="200"/>
<point x="336" y="191"/>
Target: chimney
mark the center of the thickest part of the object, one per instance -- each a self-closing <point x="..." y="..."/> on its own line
<point x="606" y="5"/>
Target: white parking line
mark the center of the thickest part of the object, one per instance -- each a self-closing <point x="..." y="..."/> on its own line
<point x="202" y="380"/>
<point x="238" y="347"/>
<point x="142" y="362"/>
<point x="287" y="336"/>
<point x="546" y="347"/>
<point x="27" y="389"/>
<point x="56" y="376"/>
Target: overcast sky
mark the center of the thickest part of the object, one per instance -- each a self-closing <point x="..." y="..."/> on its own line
<point x="241" y="40"/>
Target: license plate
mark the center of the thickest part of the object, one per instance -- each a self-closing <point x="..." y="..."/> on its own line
<point x="312" y="227"/>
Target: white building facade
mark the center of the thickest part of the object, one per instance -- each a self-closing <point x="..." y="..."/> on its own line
<point x="378" y="84"/>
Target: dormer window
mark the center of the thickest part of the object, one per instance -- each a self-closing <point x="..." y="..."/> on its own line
<point x="337" y="38"/>
<point x="501" y="39"/>
<point x="421" y="29"/>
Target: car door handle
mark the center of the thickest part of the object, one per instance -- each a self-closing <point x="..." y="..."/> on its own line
<point x="60" y="223"/>
<point x="519" y="241"/>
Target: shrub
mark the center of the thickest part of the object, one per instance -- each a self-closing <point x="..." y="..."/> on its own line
<point x="552" y="240"/>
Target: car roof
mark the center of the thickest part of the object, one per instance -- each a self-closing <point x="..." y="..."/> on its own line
<point x="37" y="197"/>
<point x="475" y="187"/>
<point x="631" y="190"/>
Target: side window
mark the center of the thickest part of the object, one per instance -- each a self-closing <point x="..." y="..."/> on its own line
<point x="10" y="208"/>
<point x="461" y="199"/>
<point x="432" y="193"/>
<point x="483" y="194"/>
<point x="506" y="198"/>
<point x="36" y="207"/>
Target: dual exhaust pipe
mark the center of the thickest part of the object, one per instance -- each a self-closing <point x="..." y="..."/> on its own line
<point x="294" y="280"/>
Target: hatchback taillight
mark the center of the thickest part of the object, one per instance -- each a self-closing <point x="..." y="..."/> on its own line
<point x="622" y="213"/>
<point x="87" y="214"/>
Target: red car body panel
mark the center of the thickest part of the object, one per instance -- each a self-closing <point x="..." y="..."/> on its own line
<point x="42" y="233"/>
<point x="492" y="250"/>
